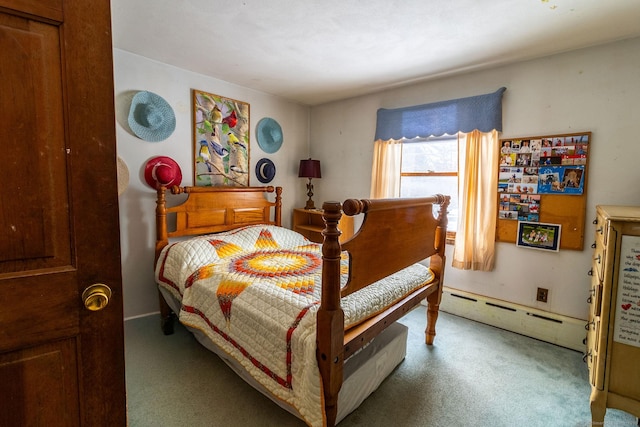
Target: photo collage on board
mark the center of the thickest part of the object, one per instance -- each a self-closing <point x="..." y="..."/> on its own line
<point x="531" y="167"/>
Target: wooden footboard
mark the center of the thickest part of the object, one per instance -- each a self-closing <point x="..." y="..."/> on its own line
<point x="395" y="234"/>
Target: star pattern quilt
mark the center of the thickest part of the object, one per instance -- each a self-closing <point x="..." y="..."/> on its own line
<point x="255" y="291"/>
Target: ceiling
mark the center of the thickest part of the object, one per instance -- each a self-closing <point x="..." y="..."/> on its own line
<point x="313" y="51"/>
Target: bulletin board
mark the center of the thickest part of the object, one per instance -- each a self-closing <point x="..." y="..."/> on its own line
<point x="544" y="179"/>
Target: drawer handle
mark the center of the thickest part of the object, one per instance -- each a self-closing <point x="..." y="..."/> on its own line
<point x="598" y="259"/>
<point x="595" y="221"/>
<point x="599" y="230"/>
<point x="593" y="245"/>
<point x="589" y="324"/>
<point x="584" y="358"/>
<point x="590" y="272"/>
<point x="589" y="300"/>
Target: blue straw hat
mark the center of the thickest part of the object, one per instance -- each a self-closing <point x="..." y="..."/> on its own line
<point x="269" y="135"/>
<point x="265" y="170"/>
<point x="151" y="118"/>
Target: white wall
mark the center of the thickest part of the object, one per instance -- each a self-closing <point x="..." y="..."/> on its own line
<point x="595" y="89"/>
<point x="137" y="204"/>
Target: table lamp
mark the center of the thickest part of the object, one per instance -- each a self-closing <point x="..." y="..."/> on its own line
<point x="309" y="169"/>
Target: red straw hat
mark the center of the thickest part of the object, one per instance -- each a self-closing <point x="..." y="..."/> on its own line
<point x="162" y="170"/>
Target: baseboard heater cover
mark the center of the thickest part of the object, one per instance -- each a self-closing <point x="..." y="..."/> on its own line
<point x="557" y="329"/>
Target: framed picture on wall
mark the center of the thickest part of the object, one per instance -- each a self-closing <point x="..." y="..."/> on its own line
<point x="221" y="140"/>
<point x="537" y="235"/>
<point x="554" y="169"/>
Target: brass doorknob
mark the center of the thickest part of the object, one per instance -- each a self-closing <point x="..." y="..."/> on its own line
<point x="96" y="297"/>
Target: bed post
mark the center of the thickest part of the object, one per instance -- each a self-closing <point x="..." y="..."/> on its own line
<point x="436" y="264"/>
<point x="278" y="208"/>
<point x="330" y="324"/>
<point x="162" y="240"/>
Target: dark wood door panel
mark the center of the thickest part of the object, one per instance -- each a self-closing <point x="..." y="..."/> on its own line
<point x="50" y="10"/>
<point x="41" y="310"/>
<point x="40" y="374"/>
<point x="34" y="200"/>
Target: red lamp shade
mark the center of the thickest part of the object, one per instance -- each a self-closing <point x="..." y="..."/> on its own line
<point x="309" y="169"/>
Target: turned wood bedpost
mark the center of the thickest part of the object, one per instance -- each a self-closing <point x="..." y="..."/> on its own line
<point x="330" y="318"/>
<point x="436" y="264"/>
<point x="278" y="207"/>
<point x="162" y="240"/>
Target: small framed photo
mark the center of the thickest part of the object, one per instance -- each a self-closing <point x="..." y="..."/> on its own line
<point x="538" y="235"/>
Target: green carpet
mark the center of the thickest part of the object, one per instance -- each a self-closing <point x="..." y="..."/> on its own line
<point x="474" y="375"/>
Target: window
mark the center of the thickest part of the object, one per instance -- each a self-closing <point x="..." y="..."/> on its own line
<point x="430" y="166"/>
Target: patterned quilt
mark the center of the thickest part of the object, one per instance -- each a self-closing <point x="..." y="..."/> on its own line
<point x="255" y="292"/>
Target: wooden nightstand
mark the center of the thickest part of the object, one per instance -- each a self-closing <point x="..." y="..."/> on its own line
<point x="309" y="223"/>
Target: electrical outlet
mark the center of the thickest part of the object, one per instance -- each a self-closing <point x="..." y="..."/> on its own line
<point x="542" y="294"/>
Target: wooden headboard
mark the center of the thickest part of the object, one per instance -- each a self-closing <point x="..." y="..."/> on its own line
<point x="214" y="209"/>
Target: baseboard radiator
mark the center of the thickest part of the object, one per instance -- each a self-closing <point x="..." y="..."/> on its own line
<point x="550" y="327"/>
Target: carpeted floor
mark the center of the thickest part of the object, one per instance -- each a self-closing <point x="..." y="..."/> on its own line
<point x="474" y="375"/>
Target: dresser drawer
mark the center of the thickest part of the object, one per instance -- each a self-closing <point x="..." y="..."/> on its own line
<point x="595" y="297"/>
<point x="598" y="261"/>
<point x="591" y="354"/>
<point x="601" y="230"/>
<point x="594" y="364"/>
<point x="593" y="359"/>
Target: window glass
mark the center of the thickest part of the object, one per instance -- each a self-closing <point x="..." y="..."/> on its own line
<point x="430" y="166"/>
<point x="430" y="155"/>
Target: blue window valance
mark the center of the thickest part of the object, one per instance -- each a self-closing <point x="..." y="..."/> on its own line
<point x="482" y="112"/>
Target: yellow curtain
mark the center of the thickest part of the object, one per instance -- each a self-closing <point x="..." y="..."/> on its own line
<point x="385" y="173"/>
<point x="477" y="197"/>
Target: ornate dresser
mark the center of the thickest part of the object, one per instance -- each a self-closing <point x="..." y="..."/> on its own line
<point x="613" y="329"/>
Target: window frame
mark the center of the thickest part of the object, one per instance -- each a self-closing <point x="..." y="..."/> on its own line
<point x="451" y="234"/>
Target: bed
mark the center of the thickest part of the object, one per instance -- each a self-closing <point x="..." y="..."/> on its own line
<point x="296" y="319"/>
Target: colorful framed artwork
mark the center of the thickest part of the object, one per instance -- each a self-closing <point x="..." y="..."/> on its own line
<point x="537" y="235"/>
<point x="221" y="140"/>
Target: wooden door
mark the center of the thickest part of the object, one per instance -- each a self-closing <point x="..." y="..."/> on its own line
<point x="60" y="363"/>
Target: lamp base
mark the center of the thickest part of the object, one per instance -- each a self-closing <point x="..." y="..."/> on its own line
<point x="310" y="204"/>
